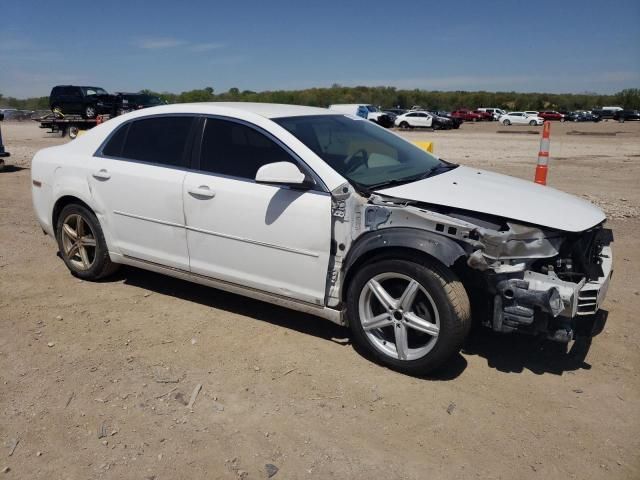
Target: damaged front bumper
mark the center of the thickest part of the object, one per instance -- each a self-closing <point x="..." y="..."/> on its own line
<point x="539" y="303"/>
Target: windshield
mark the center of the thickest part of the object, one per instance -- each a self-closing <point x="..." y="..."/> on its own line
<point x="365" y="154"/>
<point x="94" y="91"/>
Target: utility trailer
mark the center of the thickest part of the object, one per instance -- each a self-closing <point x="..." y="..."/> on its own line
<point x="71" y="125"/>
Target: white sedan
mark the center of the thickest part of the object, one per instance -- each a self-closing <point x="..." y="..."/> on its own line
<point x="520" y="118"/>
<point x="414" y="120"/>
<point x="328" y="214"/>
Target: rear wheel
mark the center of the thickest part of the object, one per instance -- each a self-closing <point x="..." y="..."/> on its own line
<point x="408" y="316"/>
<point x="82" y="244"/>
<point x="73" y="132"/>
<point x="506" y="122"/>
<point x="404" y="125"/>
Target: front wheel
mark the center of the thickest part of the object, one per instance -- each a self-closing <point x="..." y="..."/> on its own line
<point x="90" y="111"/>
<point x="82" y="245"/>
<point x="533" y="123"/>
<point x="408" y="316"/>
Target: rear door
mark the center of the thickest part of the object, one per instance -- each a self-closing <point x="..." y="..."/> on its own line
<point x="76" y="99"/>
<point x="136" y="180"/>
<point x="267" y="237"/>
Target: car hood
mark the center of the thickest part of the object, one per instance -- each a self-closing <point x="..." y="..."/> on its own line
<point x="508" y="197"/>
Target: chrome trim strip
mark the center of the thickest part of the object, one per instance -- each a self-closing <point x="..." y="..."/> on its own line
<point x="218" y="234"/>
<point x="254" y="242"/>
<point x="148" y="219"/>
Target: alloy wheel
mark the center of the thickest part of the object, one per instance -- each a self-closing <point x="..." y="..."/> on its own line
<point x="78" y="242"/>
<point x="398" y="316"/>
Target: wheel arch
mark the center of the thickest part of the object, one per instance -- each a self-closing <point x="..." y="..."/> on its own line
<point x="62" y="202"/>
<point x="406" y="243"/>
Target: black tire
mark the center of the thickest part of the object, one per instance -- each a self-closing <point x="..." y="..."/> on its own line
<point x="506" y="122"/>
<point x="404" y="125"/>
<point x="533" y="123"/>
<point x="102" y="265"/>
<point x="90" y="111"/>
<point x="448" y="295"/>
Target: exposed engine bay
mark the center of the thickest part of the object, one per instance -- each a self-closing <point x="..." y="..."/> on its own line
<point x="520" y="277"/>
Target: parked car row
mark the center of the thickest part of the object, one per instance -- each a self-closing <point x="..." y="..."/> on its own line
<point x="15" y="114"/>
<point x="92" y="101"/>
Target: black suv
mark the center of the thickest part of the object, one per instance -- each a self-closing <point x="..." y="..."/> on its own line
<point x="623" y="115"/>
<point x="86" y="101"/>
<point x="127" y="102"/>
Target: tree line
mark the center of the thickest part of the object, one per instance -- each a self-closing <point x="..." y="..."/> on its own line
<point x="387" y="97"/>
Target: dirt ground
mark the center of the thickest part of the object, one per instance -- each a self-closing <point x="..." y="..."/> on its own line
<point x="94" y="377"/>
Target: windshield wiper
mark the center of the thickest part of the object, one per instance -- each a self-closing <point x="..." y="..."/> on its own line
<point x="441" y="168"/>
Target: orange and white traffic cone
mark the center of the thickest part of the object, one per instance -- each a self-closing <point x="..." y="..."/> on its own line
<point x="543" y="155"/>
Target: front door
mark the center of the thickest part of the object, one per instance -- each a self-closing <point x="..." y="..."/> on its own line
<point x="271" y="238"/>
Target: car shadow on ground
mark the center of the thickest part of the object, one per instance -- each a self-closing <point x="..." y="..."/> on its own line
<point x="514" y="353"/>
<point x="505" y="353"/>
<point x="230" y="302"/>
<point x="262" y="311"/>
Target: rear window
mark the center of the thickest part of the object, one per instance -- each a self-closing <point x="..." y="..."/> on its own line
<point x="159" y="140"/>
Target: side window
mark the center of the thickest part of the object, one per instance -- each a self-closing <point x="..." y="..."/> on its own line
<point x="113" y="148"/>
<point x="158" y="140"/>
<point x="234" y="149"/>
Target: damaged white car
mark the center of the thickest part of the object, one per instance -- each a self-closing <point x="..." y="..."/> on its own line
<point x="331" y="215"/>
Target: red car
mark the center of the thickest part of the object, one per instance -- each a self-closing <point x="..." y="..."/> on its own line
<point x="466" y="115"/>
<point x="484" y="115"/>
<point x="551" y="115"/>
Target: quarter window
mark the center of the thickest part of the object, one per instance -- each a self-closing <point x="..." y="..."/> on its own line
<point x="113" y="148"/>
<point x="234" y="149"/>
<point x="157" y="140"/>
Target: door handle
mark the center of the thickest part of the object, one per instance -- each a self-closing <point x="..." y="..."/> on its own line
<point x="102" y="174"/>
<point x="203" y="191"/>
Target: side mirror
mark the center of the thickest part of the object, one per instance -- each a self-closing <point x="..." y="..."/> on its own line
<point x="282" y="173"/>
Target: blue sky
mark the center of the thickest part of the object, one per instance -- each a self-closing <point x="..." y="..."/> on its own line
<point x="551" y="46"/>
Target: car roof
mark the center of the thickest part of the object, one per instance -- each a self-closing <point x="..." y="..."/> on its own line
<point x="266" y="110"/>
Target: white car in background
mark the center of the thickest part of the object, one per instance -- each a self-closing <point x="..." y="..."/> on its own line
<point x="328" y="214"/>
<point x="414" y="119"/>
<point x="520" y="118"/>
